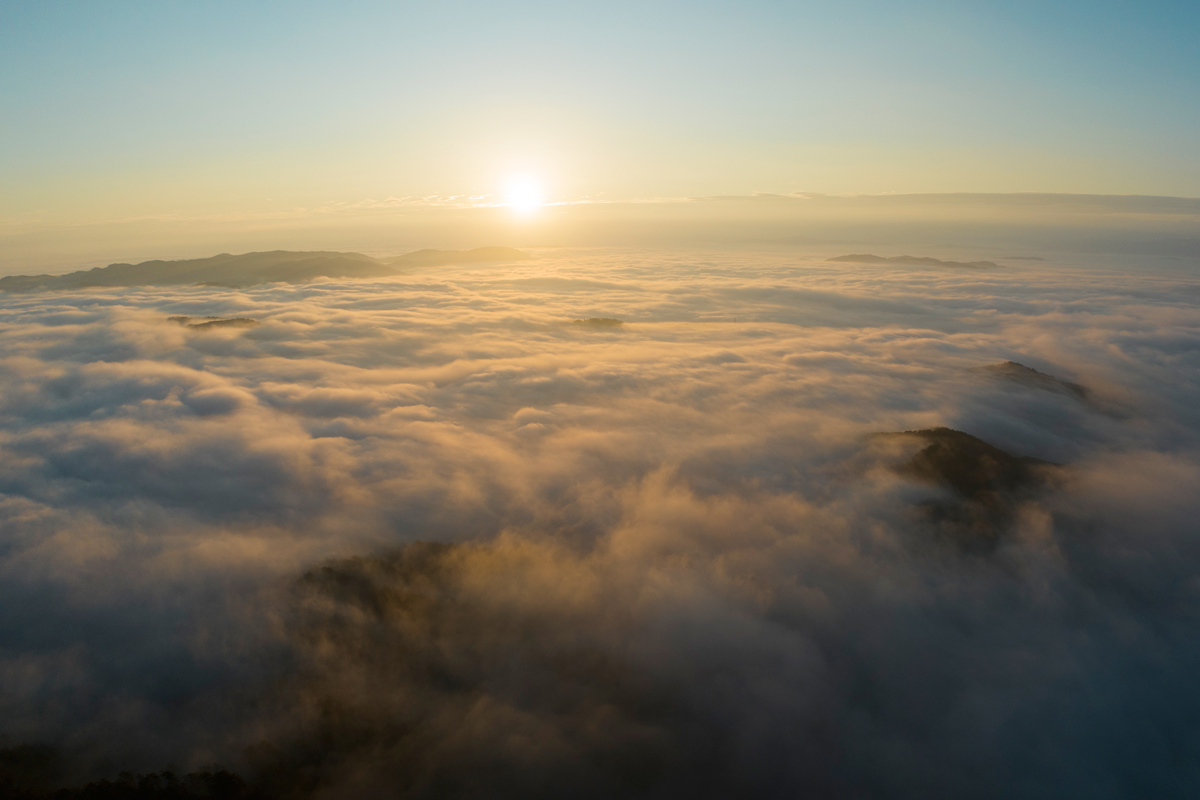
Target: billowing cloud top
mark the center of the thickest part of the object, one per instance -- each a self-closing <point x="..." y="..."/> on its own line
<point x="660" y="557"/>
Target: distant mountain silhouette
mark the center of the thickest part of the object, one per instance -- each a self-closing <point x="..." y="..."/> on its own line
<point x="440" y="258"/>
<point x="1027" y="376"/>
<point x="251" y="269"/>
<point x="866" y="258"/>
<point x="247" y="269"/>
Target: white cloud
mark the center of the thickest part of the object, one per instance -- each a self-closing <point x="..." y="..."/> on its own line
<point x="688" y="498"/>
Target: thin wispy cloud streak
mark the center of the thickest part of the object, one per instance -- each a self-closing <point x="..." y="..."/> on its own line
<point x="430" y="536"/>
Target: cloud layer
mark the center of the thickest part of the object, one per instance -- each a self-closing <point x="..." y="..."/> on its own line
<point x="673" y="558"/>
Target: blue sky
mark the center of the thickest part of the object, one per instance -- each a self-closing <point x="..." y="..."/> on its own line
<point x="137" y="107"/>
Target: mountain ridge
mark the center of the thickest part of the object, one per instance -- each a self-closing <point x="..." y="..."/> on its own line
<point x="924" y="261"/>
<point x="254" y="268"/>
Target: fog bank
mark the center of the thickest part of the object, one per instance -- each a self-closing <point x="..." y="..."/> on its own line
<point x="424" y="536"/>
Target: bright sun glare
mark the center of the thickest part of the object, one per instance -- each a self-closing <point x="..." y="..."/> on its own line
<point x="523" y="194"/>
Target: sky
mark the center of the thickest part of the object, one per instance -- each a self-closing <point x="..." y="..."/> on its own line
<point x="132" y="109"/>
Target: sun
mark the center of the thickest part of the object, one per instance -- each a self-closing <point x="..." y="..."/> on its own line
<point x="523" y="194"/>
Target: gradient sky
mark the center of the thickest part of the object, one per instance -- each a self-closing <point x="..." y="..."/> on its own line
<point x="140" y="108"/>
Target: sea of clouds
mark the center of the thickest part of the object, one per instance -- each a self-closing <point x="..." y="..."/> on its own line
<point x="662" y="558"/>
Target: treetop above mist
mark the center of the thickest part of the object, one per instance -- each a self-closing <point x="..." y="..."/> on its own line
<point x="252" y="269"/>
